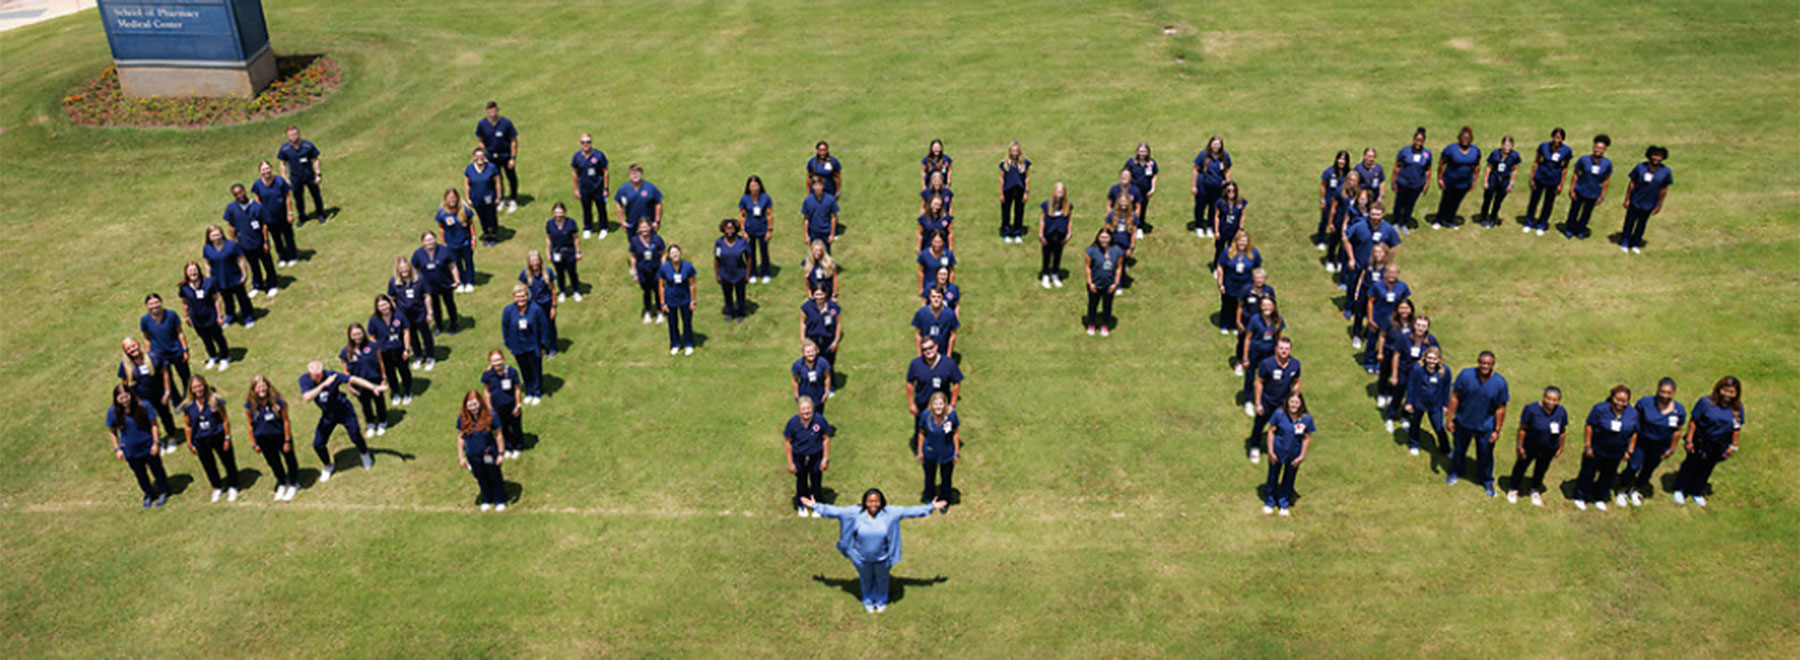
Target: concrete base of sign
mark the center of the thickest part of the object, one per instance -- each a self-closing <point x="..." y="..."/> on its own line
<point x="140" y="81"/>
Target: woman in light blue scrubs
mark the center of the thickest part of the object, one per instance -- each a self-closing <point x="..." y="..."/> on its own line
<point x="869" y="536"/>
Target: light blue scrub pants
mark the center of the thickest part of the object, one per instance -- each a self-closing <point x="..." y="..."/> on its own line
<point x="874" y="579"/>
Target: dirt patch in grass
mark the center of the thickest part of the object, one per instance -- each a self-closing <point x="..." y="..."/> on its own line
<point x="300" y="81"/>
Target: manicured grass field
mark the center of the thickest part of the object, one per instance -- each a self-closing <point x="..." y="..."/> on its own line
<point x="1107" y="510"/>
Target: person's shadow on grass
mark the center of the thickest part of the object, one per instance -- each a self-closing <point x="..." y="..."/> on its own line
<point x="896" y="585"/>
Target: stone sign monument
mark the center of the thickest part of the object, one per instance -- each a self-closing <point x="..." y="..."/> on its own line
<point x="189" y="47"/>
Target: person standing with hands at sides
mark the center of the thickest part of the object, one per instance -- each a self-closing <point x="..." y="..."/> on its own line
<point x="1611" y="432"/>
<point x="481" y="180"/>
<point x="929" y="374"/>
<point x="1232" y="273"/>
<point x="937" y="322"/>
<point x="524" y="328"/>
<point x="481" y="448"/>
<point x="821" y="270"/>
<point x="132" y="431"/>
<point x="1228" y="216"/>
<point x="1428" y="396"/>
<point x="1369" y="174"/>
<point x="936" y="222"/>
<point x="564" y="248"/>
<point x="1547" y="172"/>
<point x="362" y="358"/>
<point x="1402" y="351"/>
<point x="456" y="228"/>
<point x="225" y="262"/>
<point x="393" y="337"/>
<point x="677" y="298"/>
<point x="245" y="218"/>
<point x="754" y="210"/>
<point x="1346" y="215"/>
<point x="1502" y="168"/>
<point x="1660" y="418"/>
<point x="1277" y="379"/>
<point x="1053" y="233"/>
<point x="1477" y="411"/>
<point x="812" y="375"/>
<point x="1455" y="176"/>
<point x="205" y="313"/>
<point x="209" y="437"/>
<point x="321" y="387"/>
<point x="935" y="256"/>
<point x="1710" y="439"/>
<point x="1593" y="177"/>
<point x="644" y="254"/>
<point x="278" y="213"/>
<point x="808" y="447"/>
<point x="639" y="200"/>
<point x="934" y="162"/>
<point x="302" y="166"/>
<point x="162" y="331"/>
<point x="1262" y="332"/>
<point x="1542" y="430"/>
<point x="869" y="536"/>
<point x="731" y="267"/>
<point x="500" y="384"/>
<point x="272" y="435"/>
<point x="819" y="211"/>
<point x="826" y="168"/>
<point x="941" y="280"/>
<point x="1359" y="238"/>
<point x="1357" y="302"/>
<point x="1331" y="182"/>
<point x="500" y="141"/>
<point x="937" y="188"/>
<point x="543" y="294"/>
<point x="1412" y="169"/>
<point x="443" y="279"/>
<point x="1249" y="305"/>
<point x="148" y="377"/>
<point x="1122" y="193"/>
<point x="591" y="178"/>
<point x="938" y="448"/>
<point x="1385" y="296"/>
<point x="1212" y="170"/>
<point x="1015" y="190"/>
<point x="1104" y="265"/>
<point x="1143" y="183"/>
<point x="1644" y="195"/>
<point x="414" y="298"/>
<point x="822" y="323"/>
<point x="1290" y="436"/>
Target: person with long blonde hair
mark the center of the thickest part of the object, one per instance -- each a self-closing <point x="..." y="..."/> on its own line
<point x="1232" y="270"/>
<point x="821" y="270"/>
<point x="1054" y="225"/>
<point x="1015" y="189"/>
<point x="209" y="436"/>
<point x="413" y="297"/>
<point x="148" y="377"/>
<point x="272" y="435"/>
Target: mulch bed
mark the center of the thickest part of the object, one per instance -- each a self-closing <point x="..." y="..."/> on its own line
<point x="301" y="81"/>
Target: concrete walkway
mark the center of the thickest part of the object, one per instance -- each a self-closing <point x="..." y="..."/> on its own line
<point x="20" y="13"/>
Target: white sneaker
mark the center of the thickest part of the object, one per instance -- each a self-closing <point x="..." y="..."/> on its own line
<point x="1540" y="232"/>
<point x="1537" y="499"/>
<point x="1268" y="510"/>
<point x="660" y="318"/>
<point x="1090" y="331"/>
<point x="1637" y="250"/>
<point x="1621" y="500"/>
<point x="417" y="364"/>
<point x="254" y="293"/>
<point x="1224" y="331"/>
<point x="1199" y="233"/>
<point x="1140" y="233"/>
<point x="1256" y="456"/>
<point x="211" y="362"/>
<point x="274" y="290"/>
<point x="1624" y="249"/>
<point x="577" y="296"/>
<point x="814" y="514"/>
<point x="1356" y="343"/>
<point x="674" y="351"/>
<point x="249" y="324"/>
<point x="1526" y="230"/>
<point x="1320" y="246"/>
<point x="1637" y="499"/>
<point x="511" y="205"/>
<point x="602" y="234"/>
<point x="430" y="363"/>
<point x="562" y="297"/>
<point x="1406" y="424"/>
<point x="407" y="401"/>
<point x="231" y="495"/>
<point x="587" y="234"/>
<point x="1044" y="281"/>
<point x="1381" y="402"/>
<point x="1238" y="371"/>
<point x="1053" y="280"/>
<point x="1700" y="500"/>
<point x="1390" y="426"/>
<point x="800" y="511"/>
<point x="487" y="507"/>
<point x="1105" y="331"/>
<point x="216" y="494"/>
<point x="394" y="401"/>
<point x="280" y="493"/>
<point x="1581" y="504"/>
<point x="687" y="351"/>
<point x="224" y="363"/>
<point x="1436" y="226"/>
<point x="325" y="474"/>
<point x="500" y="508"/>
<point x="1249" y="409"/>
<point x="1413" y="450"/>
<point x="1512" y="497"/>
<point x="648" y="319"/>
<point x="1285" y="513"/>
<point x="1601" y="505"/>
<point x="868" y="608"/>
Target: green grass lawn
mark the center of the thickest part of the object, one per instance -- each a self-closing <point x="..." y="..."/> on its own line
<point x="1107" y="509"/>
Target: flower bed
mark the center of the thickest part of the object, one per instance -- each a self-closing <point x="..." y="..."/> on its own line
<point x="300" y="81"/>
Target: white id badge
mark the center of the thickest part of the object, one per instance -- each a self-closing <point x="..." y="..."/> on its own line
<point x="302" y="161"/>
<point x="324" y="396"/>
<point x="828" y="319"/>
<point x="678" y="278"/>
<point x="1615" y="425"/>
<point x="1239" y="267"/>
<point x="1377" y="235"/>
<point x="1556" y="157"/>
<point x="556" y="257"/>
<point x="812" y="376"/>
<point x="947" y="427"/>
<point x="1674" y="422"/>
<point x="1276" y="375"/>
<point x="934" y="330"/>
<point x="937" y="383"/>
<point x="1299" y="429"/>
<point x="718" y="252"/>
<point x="205" y="425"/>
<point x="1150" y="170"/>
<point x="410" y="294"/>
<point x="1503" y="167"/>
<point x="1648" y="177"/>
<point x="506" y="384"/>
<point x="1414" y="351"/>
<point x="1390" y="296"/>
<point x="1555" y="427"/>
<point x="1418" y="157"/>
<point x="431" y="266"/>
<point x="590" y="171"/>
<point x="818" y="273"/>
<point x="646" y="255"/>
<point x="827" y="167"/>
<point x="257" y="225"/>
<point x="756" y="211"/>
<point x="144" y="369"/>
<point x="1595" y="169"/>
<point x="522" y="324"/>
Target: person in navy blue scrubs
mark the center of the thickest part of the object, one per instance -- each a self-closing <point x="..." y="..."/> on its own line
<point x="500" y="140"/>
<point x="321" y="387"/>
<point x="1370" y="175"/>
<point x="300" y="165"/>
<point x="937" y="322"/>
<point x="437" y="267"/>
<point x="938" y="448"/>
<point x="1291" y="431"/>
<point x="819" y="212"/>
<point x="1385" y="295"/>
<point x="754" y="210"/>
<point x="935" y="222"/>
<point x="1593" y="177"/>
<point x="934" y="162"/>
<point x="1212" y="169"/>
<point x="1262" y="330"/>
<point x="1381" y="347"/>
<point x="1277" y="379"/>
<point x="1122" y="193"/>
<point x="1542" y="430"/>
<point x="1660" y="418"/>
<point x="413" y="296"/>
<point x="272" y="435"/>
<point x="1249" y="305"/>
<point x="1331" y="182"/>
<point x="1404" y="350"/>
<point x="1231" y="270"/>
<point x="278" y="213"/>
<point x="1412" y="170"/>
<point x="821" y="270"/>
<point x="1227" y="216"/>
<point x="931" y="373"/>
<point x="1104" y="264"/>
<point x="1644" y="195"/>
<point x="205" y="314"/>
<point x="941" y="280"/>
<point x="481" y="449"/>
<point x="807" y="443"/>
<point x="226" y="266"/>
<point x="544" y="294"/>
<point x="936" y="188"/>
<point x="1547" y="175"/>
<point x="822" y="323"/>
<point x="936" y="255"/>
<point x="592" y="179"/>
<point x="1054" y="226"/>
<point x="677" y="299"/>
<point x="148" y="377"/>
<point x="1015" y="190"/>
<point x="639" y="200"/>
<point x="1428" y="397"/>
<point x="131" y="428"/>
<point x="1477" y="411"/>
<point x="162" y="332"/>
<point x="1143" y="183"/>
<point x="1358" y="247"/>
<point x="209" y="437"/>
<point x="1347" y="214"/>
<point x="643" y="255"/>
<point x="1711" y="438"/>
<point x="481" y="181"/>
<point x="1611" y="435"/>
<point x="361" y="357"/>
<point x="1357" y="302"/>
<point x="246" y="219"/>
<point x="731" y="268"/>
<point x="812" y="375"/>
<point x="456" y="229"/>
<point x="524" y="328"/>
<point x="826" y="168"/>
<point x="564" y="248"/>
<point x="393" y="337"/>
<point x="503" y="388"/>
<point x="1455" y="176"/>
<point x="1502" y="168"/>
